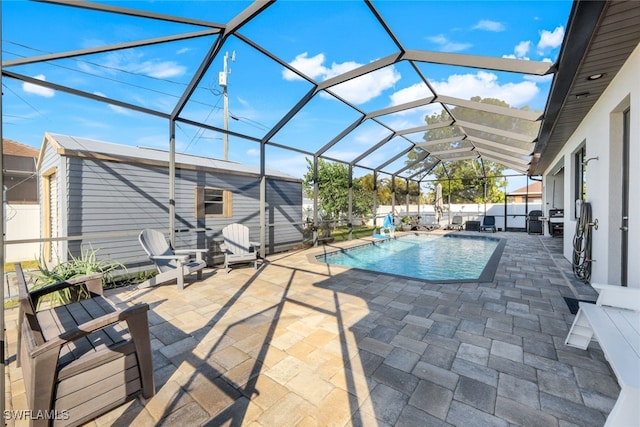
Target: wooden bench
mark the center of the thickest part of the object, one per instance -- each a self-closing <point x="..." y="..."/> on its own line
<point x="81" y="359"/>
<point x="614" y="321"/>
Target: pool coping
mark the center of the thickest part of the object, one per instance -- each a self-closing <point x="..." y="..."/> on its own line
<point x="487" y="274"/>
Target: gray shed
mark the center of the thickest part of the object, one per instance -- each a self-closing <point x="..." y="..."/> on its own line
<point x="108" y="193"/>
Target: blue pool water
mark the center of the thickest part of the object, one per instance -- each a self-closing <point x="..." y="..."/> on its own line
<point x="422" y="256"/>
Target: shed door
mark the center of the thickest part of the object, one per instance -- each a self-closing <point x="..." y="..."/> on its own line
<point x="50" y="217"/>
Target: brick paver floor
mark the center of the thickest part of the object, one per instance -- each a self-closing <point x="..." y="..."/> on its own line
<point x="297" y="343"/>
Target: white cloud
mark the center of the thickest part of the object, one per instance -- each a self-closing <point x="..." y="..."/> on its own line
<point x="487" y="25"/>
<point x="160" y="70"/>
<point x="550" y="39"/>
<point x="253" y="152"/>
<point x="368" y="86"/>
<point x="311" y="67"/>
<point x="486" y="85"/>
<point x="183" y="50"/>
<point x="115" y="108"/>
<point x="446" y="45"/>
<point x="411" y="93"/>
<point x="38" y="90"/>
<point x="133" y="62"/>
<point x="522" y="49"/>
<point x="358" y="90"/>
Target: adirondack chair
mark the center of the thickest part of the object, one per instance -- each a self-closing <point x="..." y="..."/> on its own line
<point x="81" y="359"/>
<point x="171" y="264"/>
<point x="237" y="248"/>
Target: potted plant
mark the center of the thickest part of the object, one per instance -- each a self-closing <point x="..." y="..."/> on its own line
<point x="85" y="265"/>
<point x="406" y="223"/>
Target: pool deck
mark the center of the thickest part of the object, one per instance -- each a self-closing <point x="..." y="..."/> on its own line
<point x="297" y="343"/>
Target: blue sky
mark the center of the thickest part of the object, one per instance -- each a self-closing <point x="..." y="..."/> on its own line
<point x="321" y="39"/>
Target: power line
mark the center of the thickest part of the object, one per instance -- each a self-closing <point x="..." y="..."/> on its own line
<point x="113" y="79"/>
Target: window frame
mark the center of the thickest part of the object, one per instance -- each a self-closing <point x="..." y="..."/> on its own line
<point x="200" y="203"/>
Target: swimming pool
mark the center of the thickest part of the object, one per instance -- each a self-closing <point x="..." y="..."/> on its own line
<point x="426" y="257"/>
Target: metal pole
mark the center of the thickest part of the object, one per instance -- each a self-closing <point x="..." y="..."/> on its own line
<point x="375" y="200"/>
<point x="315" y="200"/>
<point x="350" y="225"/>
<point x="223" y="77"/>
<point x="393" y="194"/>
<point x="406" y="197"/>
<point x="263" y="203"/>
<point x="172" y="182"/>
<point x="2" y="255"/>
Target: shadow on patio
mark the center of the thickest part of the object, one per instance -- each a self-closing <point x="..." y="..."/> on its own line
<point x="297" y="343"/>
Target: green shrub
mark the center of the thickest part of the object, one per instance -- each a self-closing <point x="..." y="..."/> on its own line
<point x="86" y="264"/>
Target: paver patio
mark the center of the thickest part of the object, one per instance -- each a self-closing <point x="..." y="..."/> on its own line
<point x="303" y="344"/>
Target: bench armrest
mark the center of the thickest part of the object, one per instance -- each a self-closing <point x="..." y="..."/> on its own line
<point x="92" y="281"/>
<point x="190" y="251"/>
<point x="618" y="296"/>
<point x="182" y="258"/>
<point x="199" y="252"/>
<point x="90" y="327"/>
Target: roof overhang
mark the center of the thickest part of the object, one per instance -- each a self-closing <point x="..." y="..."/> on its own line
<point x="599" y="39"/>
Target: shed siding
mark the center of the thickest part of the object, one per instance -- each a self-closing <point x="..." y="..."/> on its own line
<point x="107" y="196"/>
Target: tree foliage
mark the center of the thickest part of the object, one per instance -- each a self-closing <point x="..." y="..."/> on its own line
<point x="470" y="181"/>
<point x="333" y="190"/>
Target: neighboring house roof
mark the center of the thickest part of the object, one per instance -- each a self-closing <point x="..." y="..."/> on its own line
<point x="75" y="146"/>
<point x="13" y="148"/>
<point x="534" y="189"/>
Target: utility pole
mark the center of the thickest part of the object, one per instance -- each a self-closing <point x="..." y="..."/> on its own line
<point x="222" y="77"/>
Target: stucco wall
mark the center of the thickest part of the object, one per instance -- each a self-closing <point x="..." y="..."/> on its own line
<point x="601" y="131"/>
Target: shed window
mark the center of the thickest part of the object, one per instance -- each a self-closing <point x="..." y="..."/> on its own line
<point x="213" y="202"/>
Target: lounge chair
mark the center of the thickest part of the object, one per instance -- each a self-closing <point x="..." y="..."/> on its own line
<point x="171" y="264"/>
<point x="488" y="223"/>
<point x="237" y="248"/>
<point x="456" y="224"/>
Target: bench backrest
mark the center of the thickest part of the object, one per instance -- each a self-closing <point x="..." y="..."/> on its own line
<point x="618" y="296"/>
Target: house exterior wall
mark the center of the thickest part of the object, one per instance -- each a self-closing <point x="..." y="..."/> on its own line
<point x="601" y="132"/>
<point x="106" y="196"/>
